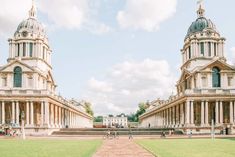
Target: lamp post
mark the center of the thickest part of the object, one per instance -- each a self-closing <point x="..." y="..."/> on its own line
<point x="22" y="125"/>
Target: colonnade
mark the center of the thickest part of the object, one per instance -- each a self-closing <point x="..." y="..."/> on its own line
<point x="38" y="114"/>
<point x="195" y="113"/>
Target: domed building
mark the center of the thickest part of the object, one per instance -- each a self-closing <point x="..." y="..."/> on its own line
<point x="206" y="88"/>
<point x="27" y="86"/>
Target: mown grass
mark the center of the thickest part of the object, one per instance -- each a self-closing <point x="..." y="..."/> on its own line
<point x="190" y="147"/>
<point x="48" y="148"/>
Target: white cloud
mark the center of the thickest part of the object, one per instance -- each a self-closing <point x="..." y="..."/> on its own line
<point x="129" y="83"/>
<point x="146" y="14"/>
<point x="71" y="14"/>
<point x="68" y="14"/>
<point x="12" y="12"/>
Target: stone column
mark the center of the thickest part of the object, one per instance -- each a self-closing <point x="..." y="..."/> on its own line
<point x="13" y="112"/>
<point x="170" y="117"/>
<point x="59" y="116"/>
<point x="27" y="113"/>
<point x="3" y="112"/>
<point x="182" y="114"/>
<point x="42" y="113"/>
<point x="206" y="113"/>
<point x="187" y="110"/>
<point x="167" y="118"/>
<point x="31" y="114"/>
<point x="17" y="113"/>
<point x="47" y="114"/>
<point x="56" y="118"/>
<point x="234" y="111"/>
<point x="192" y="112"/>
<point x="202" y="113"/>
<point x="231" y="113"/>
<point x="221" y="112"/>
<point x="217" y="112"/>
<point x="52" y="115"/>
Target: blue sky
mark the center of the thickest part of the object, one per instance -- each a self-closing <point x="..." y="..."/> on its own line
<point x="111" y="60"/>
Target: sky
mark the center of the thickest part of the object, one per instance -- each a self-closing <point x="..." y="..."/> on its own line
<point x="116" y="53"/>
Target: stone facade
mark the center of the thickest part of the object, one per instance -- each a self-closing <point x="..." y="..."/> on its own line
<point x="113" y="121"/>
<point x="27" y="85"/>
<point x="206" y="88"/>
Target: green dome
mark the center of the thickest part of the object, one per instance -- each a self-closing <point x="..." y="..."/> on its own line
<point x="199" y="25"/>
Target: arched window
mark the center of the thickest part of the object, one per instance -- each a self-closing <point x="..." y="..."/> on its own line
<point x="216" y="77"/>
<point x="17" y="77"/>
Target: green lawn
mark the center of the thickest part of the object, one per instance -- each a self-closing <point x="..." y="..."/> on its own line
<point x="190" y="147"/>
<point x="48" y="148"/>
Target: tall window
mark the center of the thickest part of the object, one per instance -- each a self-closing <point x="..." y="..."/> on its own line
<point x="209" y="49"/>
<point x="189" y="52"/>
<point x="216" y="77"/>
<point x="18" y="50"/>
<point x="24" y="49"/>
<point x="202" y="48"/>
<point x="31" y="49"/>
<point x="43" y="53"/>
<point x="17" y="77"/>
<point x="215" y="49"/>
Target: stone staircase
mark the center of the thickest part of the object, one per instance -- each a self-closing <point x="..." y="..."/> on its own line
<point x="120" y="131"/>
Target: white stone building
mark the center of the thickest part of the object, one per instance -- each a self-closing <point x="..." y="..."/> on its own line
<point x="27" y="84"/>
<point x="115" y="121"/>
<point x="206" y="87"/>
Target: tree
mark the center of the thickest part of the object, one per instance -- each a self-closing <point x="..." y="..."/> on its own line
<point x="142" y="109"/>
<point x="88" y="109"/>
<point x="98" y="119"/>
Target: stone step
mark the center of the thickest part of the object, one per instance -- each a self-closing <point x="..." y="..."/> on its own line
<point x="119" y="132"/>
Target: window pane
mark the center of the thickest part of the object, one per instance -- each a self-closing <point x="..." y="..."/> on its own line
<point x="24" y="49"/>
<point x="202" y="48"/>
<point x="31" y="49"/>
<point x="17" y="77"/>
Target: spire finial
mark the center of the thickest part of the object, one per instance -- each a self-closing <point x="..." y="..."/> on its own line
<point x="200" y="11"/>
<point x="32" y="11"/>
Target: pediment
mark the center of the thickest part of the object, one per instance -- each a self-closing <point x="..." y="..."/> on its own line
<point x="10" y="67"/>
<point x="185" y="73"/>
<point x="219" y="64"/>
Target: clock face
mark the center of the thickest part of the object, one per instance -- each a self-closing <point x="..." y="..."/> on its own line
<point x="24" y="34"/>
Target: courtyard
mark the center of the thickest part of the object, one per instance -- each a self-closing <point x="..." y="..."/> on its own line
<point x="95" y="147"/>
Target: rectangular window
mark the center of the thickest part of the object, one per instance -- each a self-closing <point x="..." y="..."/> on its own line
<point x="30" y="82"/>
<point x="215" y="49"/>
<point x="209" y="49"/>
<point x="4" y="82"/>
<point x="18" y="50"/>
<point x="43" y="53"/>
<point x="189" y="51"/>
<point x="202" y="48"/>
<point x="24" y="49"/>
<point x="204" y="81"/>
<point x="230" y="81"/>
<point x="31" y="49"/>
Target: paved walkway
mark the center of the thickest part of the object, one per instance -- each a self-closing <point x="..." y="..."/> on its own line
<point x="121" y="148"/>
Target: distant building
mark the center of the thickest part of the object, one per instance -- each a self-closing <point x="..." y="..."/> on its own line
<point x="115" y="121"/>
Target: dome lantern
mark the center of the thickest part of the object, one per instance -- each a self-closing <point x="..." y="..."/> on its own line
<point x="33" y="11"/>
